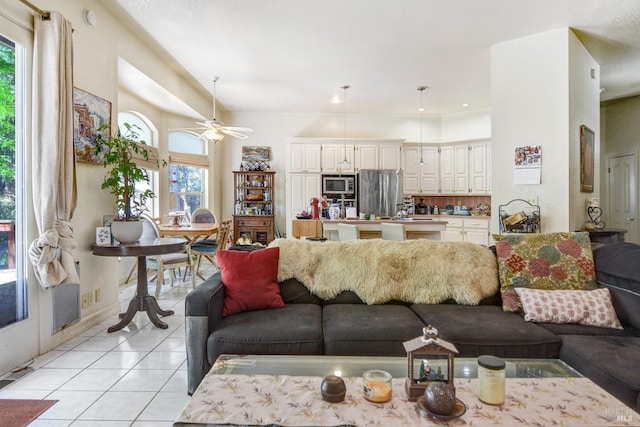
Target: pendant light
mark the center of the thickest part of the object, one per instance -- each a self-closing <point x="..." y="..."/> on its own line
<point x="345" y="162"/>
<point x="421" y="110"/>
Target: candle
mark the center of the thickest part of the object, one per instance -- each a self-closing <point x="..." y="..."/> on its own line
<point x="376" y="386"/>
<point x="491" y="374"/>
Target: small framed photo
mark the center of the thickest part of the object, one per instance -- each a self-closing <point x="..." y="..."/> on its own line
<point x="587" y="143"/>
<point x="103" y="236"/>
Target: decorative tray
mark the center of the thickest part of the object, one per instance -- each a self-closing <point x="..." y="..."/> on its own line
<point x="458" y="411"/>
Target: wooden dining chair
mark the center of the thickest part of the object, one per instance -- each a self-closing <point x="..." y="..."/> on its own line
<point x="208" y="250"/>
<point x="161" y="263"/>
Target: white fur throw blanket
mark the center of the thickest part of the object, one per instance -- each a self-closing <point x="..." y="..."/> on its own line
<point x="378" y="271"/>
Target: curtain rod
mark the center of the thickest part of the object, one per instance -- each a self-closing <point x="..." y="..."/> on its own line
<point x="43" y="13"/>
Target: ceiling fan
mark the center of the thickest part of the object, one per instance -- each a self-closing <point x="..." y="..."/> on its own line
<point x="215" y="130"/>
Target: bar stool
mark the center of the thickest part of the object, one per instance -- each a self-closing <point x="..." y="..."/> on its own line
<point x="348" y="232"/>
<point x="392" y="231"/>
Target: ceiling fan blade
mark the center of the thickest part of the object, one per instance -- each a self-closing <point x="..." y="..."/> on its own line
<point x="238" y="128"/>
<point x="232" y="133"/>
<point x="200" y="128"/>
<point x="206" y="125"/>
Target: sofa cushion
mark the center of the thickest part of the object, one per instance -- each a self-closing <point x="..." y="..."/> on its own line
<point x="610" y="362"/>
<point x="486" y="329"/>
<point x="368" y="330"/>
<point x="294" y="292"/>
<point x="618" y="269"/>
<point x="591" y="308"/>
<point x="293" y="329"/>
<point x="543" y="261"/>
<point x="250" y="280"/>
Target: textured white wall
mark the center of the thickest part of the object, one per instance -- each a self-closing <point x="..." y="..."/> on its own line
<point x="540" y="96"/>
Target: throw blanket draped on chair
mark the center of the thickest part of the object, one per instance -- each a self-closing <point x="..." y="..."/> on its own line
<point x="378" y="271"/>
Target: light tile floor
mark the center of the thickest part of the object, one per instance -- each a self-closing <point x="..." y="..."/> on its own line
<point x="133" y="377"/>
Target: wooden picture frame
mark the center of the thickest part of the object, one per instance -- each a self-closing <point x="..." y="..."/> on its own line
<point x="587" y="159"/>
<point x="89" y="113"/>
<point x="254" y="153"/>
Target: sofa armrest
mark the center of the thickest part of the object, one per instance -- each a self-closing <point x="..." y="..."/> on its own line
<point x="203" y="311"/>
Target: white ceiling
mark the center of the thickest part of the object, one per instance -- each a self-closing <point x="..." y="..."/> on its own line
<point x="293" y="55"/>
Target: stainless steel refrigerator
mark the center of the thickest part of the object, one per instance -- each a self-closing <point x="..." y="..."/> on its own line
<point x="379" y="191"/>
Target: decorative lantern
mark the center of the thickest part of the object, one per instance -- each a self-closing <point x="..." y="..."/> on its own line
<point x="428" y="348"/>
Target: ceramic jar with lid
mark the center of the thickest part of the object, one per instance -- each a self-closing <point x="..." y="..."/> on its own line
<point x="334" y="210"/>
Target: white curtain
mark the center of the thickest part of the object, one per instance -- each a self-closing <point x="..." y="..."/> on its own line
<point x="54" y="167"/>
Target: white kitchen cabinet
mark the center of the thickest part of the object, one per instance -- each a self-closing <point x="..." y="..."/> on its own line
<point x="421" y="179"/>
<point x="378" y="156"/>
<point x="454" y="169"/>
<point x="302" y="187"/>
<point x="479" y="167"/>
<point x="467" y="229"/>
<point x="461" y="169"/>
<point x="333" y="156"/>
<point x="390" y="156"/>
<point x="366" y="156"/>
<point x="304" y="158"/>
<point x="447" y="169"/>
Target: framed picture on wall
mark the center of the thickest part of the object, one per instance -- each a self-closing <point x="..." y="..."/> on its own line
<point x="89" y="113"/>
<point x="587" y="155"/>
<point x="253" y="153"/>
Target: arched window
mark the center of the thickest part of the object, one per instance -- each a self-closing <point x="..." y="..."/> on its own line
<point x="148" y="133"/>
<point x="188" y="165"/>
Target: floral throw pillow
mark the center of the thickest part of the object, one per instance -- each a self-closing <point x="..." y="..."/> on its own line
<point x="543" y="261"/>
<point x="590" y="308"/>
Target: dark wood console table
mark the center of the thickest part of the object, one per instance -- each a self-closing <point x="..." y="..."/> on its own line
<point x="611" y="235"/>
<point x="142" y="301"/>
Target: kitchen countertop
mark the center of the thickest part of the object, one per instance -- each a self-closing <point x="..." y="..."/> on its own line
<point x="421" y="221"/>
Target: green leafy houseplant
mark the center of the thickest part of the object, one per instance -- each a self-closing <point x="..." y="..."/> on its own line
<point x="120" y="151"/>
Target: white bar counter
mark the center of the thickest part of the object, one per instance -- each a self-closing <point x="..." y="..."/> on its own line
<point x="370" y="229"/>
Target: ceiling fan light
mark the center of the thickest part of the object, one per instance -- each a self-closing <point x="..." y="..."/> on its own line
<point x="212" y="135"/>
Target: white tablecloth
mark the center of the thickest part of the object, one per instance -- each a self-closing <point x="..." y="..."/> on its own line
<point x="296" y="401"/>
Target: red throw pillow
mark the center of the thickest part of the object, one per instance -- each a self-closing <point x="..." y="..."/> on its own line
<point x="250" y="280"/>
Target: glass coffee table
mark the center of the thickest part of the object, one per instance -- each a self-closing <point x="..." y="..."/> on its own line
<point x="285" y="391"/>
<point x="355" y="366"/>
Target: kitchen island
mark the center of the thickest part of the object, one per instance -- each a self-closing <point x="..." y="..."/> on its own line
<point x="370" y="229"/>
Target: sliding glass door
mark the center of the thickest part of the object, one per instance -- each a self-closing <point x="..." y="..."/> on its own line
<point x="19" y="331"/>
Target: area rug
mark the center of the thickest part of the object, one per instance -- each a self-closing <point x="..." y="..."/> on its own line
<point x="20" y="412"/>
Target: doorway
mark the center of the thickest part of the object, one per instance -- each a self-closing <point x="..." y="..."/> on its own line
<point x="622" y="191"/>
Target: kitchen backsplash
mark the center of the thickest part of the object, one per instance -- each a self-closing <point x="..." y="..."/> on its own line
<point x="442" y="201"/>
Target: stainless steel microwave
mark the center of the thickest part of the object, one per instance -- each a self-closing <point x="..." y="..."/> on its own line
<point x="339" y="185"/>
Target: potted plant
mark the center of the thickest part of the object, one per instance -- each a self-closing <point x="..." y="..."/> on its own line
<point x="120" y="151"/>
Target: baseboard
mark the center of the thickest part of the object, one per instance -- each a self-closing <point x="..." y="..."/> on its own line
<point x="86" y="323"/>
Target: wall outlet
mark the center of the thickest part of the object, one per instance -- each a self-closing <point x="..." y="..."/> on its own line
<point x="532" y="200"/>
<point x="97" y="295"/>
<point x="90" y="297"/>
<point x="85" y="300"/>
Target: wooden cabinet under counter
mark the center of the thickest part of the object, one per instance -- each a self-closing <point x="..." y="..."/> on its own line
<point x="306" y="228"/>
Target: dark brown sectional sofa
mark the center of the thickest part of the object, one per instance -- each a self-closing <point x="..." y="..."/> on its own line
<point x="346" y="326"/>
